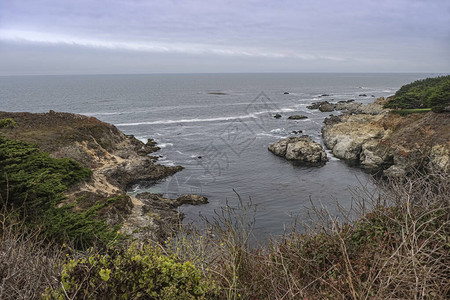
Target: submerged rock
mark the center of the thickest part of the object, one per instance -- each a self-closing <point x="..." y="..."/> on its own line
<point x="301" y="149"/>
<point x="297" y="117"/>
<point x="277" y="116"/>
<point x="192" y="199"/>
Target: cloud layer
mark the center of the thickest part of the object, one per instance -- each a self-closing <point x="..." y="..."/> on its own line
<point x="51" y="37"/>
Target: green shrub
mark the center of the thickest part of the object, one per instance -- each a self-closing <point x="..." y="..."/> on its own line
<point x="32" y="184"/>
<point x="427" y="93"/>
<point x="7" y="123"/>
<point x="132" y="273"/>
<point x="405" y="112"/>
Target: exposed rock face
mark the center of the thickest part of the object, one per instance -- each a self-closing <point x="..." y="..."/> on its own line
<point x="346" y="137"/>
<point x="301" y="149"/>
<point x="192" y="199"/>
<point x="156" y="216"/>
<point x="391" y="142"/>
<point x="326" y="107"/>
<point x="351" y="107"/>
<point x="116" y="160"/>
<point x="297" y="117"/>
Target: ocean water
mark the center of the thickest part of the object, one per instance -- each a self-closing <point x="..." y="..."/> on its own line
<point x="218" y="126"/>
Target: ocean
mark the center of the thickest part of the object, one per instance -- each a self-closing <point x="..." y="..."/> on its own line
<point x="218" y="127"/>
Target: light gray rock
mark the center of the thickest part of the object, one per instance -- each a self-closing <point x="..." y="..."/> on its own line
<point x="301" y="149"/>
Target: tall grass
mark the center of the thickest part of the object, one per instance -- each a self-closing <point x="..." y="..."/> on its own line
<point x="394" y="244"/>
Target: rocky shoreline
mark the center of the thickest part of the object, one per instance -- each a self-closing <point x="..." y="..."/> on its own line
<point x="369" y="136"/>
<point x="366" y="135"/>
<point x="117" y="161"/>
<point x="377" y="140"/>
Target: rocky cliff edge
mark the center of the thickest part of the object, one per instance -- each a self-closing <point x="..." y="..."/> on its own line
<point x="117" y="160"/>
<point x="390" y="142"/>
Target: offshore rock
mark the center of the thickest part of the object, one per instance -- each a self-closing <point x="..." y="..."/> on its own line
<point x="297" y="117"/>
<point x="300" y="149"/>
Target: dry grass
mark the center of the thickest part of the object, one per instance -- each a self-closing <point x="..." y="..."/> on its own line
<point x="28" y="265"/>
<point x="393" y="245"/>
<point x="397" y="248"/>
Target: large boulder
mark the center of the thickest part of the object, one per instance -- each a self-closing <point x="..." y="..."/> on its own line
<point x="346" y="135"/>
<point x="300" y="149"/>
<point x="326" y="107"/>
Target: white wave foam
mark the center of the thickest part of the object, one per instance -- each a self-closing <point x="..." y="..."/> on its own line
<point x="89" y="114"/>
<point x="166" y="162"/>
<point x="196" y="120"/>
<point x="330" y="155"/>
<point x="271" y="135"/>
<point x="164" y="145"/>
<point x="278" y="130"/>
<point x="142" y="139"/>
<point x="287" y="109"/>
<point x="253" y="115"/>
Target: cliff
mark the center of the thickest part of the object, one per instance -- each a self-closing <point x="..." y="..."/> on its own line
<point x="390" y="142"/>
<point x="116" y="160"/>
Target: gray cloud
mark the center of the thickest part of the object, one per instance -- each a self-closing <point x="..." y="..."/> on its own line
<point x="225" y="36"/>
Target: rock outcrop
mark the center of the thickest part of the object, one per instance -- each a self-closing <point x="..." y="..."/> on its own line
<point x="390" y="142"/>
<point x="351" y="107"/>
<point x="117" y="161"/>
<point x="301" y="149"/>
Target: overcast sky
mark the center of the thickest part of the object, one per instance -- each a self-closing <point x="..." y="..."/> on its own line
<point x="185" y="36"/>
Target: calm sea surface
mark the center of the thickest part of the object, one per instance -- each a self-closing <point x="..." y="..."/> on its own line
<point x="218" y="126"/>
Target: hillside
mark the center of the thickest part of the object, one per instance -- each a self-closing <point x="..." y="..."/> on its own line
<point x="111" y="159"/>
<point x="431" y="93"/>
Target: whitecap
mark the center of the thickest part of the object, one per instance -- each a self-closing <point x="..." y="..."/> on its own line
<point x="164" y="145"/>
<point x="166" y="162"/>
<point x="271" y="135"/>
<point x="90" y="114"/>
<point x="195" y="120"/>
<point x="278" y="130"/>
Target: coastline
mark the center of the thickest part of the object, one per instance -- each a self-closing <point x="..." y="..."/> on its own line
<point x="116" y="160"/>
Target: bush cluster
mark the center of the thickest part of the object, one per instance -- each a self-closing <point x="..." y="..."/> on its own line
<point x="32" y="185"/>
<point x="131" y="273"/>
<point x="431" y="93"/>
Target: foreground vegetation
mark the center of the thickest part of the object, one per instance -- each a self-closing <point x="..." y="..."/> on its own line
<point x="397" y="248"/>
<point x="32" y="187"/>
<point x="433" y="93"/>
<point x="393" y="244"/>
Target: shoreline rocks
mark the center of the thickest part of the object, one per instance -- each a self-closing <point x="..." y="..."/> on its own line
<point x="117" y="161"/>
<point x="351" y="107"/>
<point x="301" y="149"/>
<point x="297" y="117"/>
<point x="391" y="143"/>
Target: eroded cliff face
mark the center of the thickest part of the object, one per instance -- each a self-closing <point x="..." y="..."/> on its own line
<point x="116" y="160"/>
<point x="390" y="142"/>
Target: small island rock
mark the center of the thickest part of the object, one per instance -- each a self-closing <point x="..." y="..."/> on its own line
<point x="192" y="199"/>
<point x="297" y="117"/>
<point x="301" y="149"/>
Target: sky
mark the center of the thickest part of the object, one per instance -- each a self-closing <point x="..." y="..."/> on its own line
<point x="228" y="36"/>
